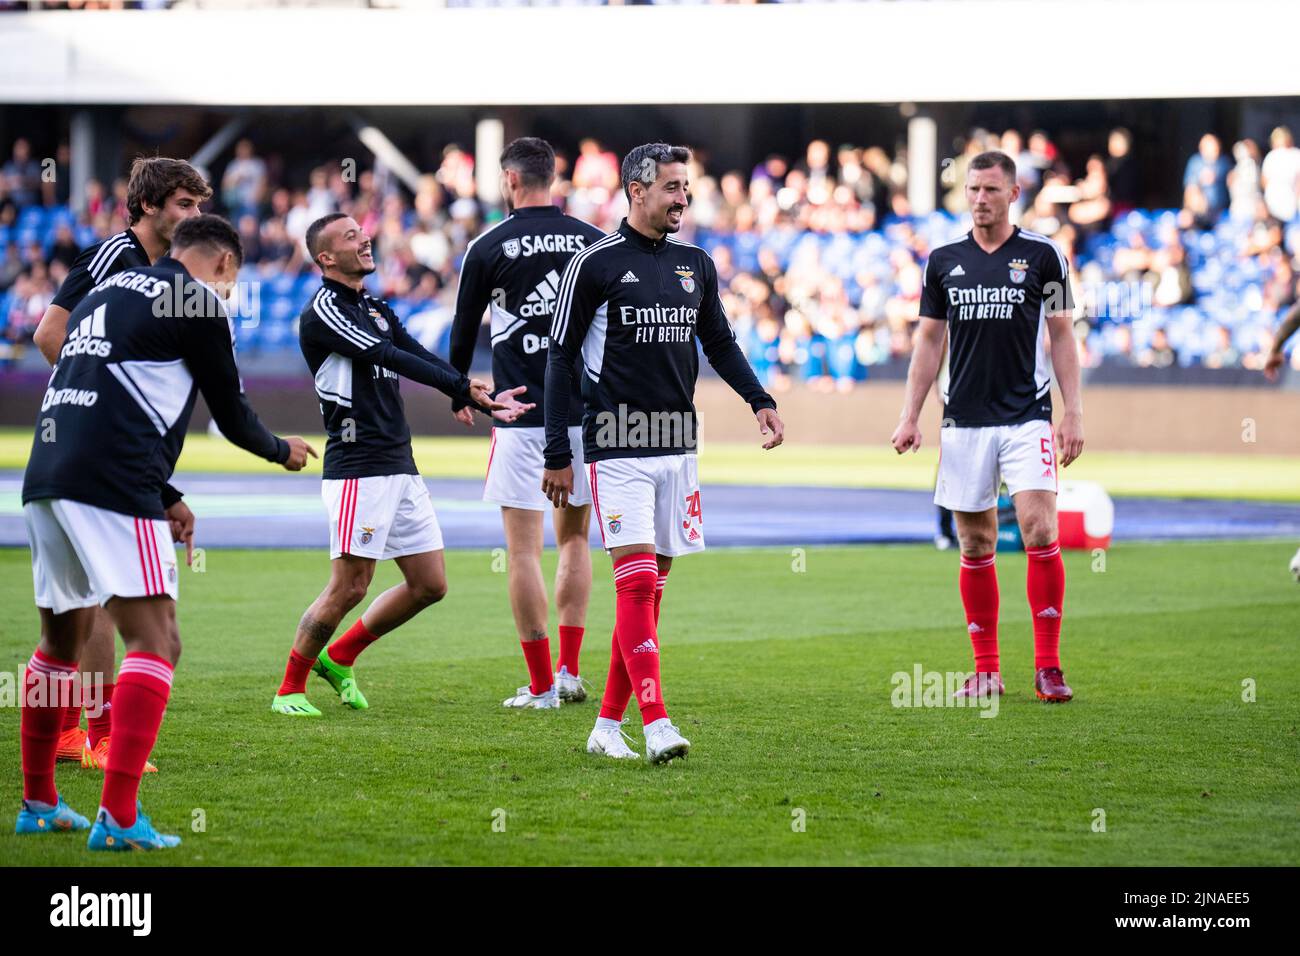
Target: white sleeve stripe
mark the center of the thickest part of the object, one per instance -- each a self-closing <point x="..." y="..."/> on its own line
<point x="1060" y="256"/>
<point x="104" y="261"/>
<point x="563" y="300"/>
<point x="560" y="326"/>
<point x="335" y="320"/>
<point x="103" y="247"/>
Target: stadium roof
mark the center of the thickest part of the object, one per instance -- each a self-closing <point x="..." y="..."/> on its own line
<point x="978" y="50"/>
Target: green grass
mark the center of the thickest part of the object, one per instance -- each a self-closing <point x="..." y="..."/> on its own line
<point x="782" y="681"/>
<point x="1261" y="477"/>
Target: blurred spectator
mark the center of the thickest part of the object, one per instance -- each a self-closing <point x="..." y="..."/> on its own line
<point x="23" y="175"/>
<point x="1243" y="181"/>
<point x="1122" y="171"/>
<point x="64" y="248"/>
<point x="1092" y="207"/>
<point x="1205" y="184"/>
<point x="243" y="184"/>
<point x="1280" y="175"/>
<point x="1159" y="354"/>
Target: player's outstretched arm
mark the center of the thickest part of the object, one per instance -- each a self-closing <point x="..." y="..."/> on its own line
<point x="1065" y="363"/>
<point x="723" y="353"/>
<point x="1275" y="359"/>
<point x="210" y="356"/>
<point x="927" y="353"/>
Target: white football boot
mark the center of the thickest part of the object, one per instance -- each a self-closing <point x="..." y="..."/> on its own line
<point x="663" y="742"/>
<point x="525" y="699"/>
<point x="570" y="687"/>
<point x="610" y="742"/>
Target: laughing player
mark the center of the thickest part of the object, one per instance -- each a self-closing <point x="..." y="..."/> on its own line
<point x="635" y="305"/>
<point x="119" y="404"/>
<point x="514" y="270"/>
<point x="992" y="294"/>
<point x="356" y="348"/>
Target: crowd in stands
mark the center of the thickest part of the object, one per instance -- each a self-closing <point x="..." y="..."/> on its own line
<point x="820" y="255"/>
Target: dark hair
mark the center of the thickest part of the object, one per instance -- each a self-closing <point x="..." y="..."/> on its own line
<point x="995" y="159"/>
<point x="641" y="165"/>
<point x="533" y="159"/>
<point x="314" y="231"/>
<point x="212" y="232"/>
<point x="154" y="178"/>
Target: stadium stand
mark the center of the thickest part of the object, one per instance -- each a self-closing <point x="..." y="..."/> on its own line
<point x="820" y="257"/>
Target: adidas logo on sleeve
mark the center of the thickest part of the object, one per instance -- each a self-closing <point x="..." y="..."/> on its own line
<point x="957" y="271"/>
<point x="629" y="277"/>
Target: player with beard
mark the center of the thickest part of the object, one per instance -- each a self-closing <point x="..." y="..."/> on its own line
<point x="995" y="294"/>
<point x="356" y="348"/>
<point x="636" y="306"/>
<point x="513" y="271"/>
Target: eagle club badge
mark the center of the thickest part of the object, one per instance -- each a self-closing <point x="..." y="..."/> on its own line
<point x="511" y="248"/>
<point x="379" y="320"/>
<point x="615" y="525"/>
<point x="687" y="278"/>
<point x="1019" y="268"/>
<point x="367" y="534"/>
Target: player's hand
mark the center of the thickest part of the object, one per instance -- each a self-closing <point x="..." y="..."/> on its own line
<point x="1069" y="438"/>
<point x="298" y="452"/>
<point x="480" y="393"/>
<point x="557" y="484"/>
<point x="511" y="408"/>
<point x="465" y="416"/>
<point x="770" y="421"/>
<point x="906" y="435"/>
<point x="180" y="519"/>
<point x="1272" y="364"/>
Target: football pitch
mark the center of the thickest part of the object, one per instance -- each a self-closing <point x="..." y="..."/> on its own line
<point x="1180" y="747"/>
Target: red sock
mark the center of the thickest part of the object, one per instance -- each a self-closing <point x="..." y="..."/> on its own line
<point x="1045" y="585"/>
<point x="71" y="718"/>
<point x="348" y="648"/>
<point x="45" y="683"/>
<point x="618" y="686"/>
<point x="659" y="597"/>
<point x="635" y="580"/>
<point x="101" y="726"/>
<point x="978" y="581"/>
<point x="570" y="645"/>
<point x="538" y="655"/>
<point x="295" y="674"/>
<point x="139" y="701"/>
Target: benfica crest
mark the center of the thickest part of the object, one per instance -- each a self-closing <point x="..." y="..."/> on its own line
<point x="687" y="278"/>
<point x="511" y="248"/>
<point x="615" y="525"/>
<point x="367" y="534"/>
<point x="1019" y="268"/>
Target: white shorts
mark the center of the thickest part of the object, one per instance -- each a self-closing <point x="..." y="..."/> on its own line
<point x="386" y="516"/>
<point x="83" y="555"/>
<point x="514" y="470"/>
<point x="649" y="501"/>
<point x="973" y="462"/>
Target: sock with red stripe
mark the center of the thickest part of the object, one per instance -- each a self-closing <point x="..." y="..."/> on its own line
<point x="101" y="726"/>
<point x="71" y="718"/>
<point x="635" y="584"/>
<point x="46" y="682"/>
<point x="139" y="701"/>
<point x="346" y="649"/>
<point x="538" y="656"/>
<point x="570" y="646"/>
<point x="1045" y="586"/>
<point x="978" y="581"/>
<point x="295" y="674"/>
